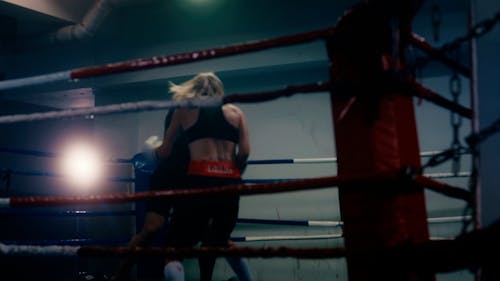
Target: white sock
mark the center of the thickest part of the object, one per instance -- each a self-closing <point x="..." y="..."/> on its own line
<point x="240" y="268"/>
<point x="173" y="271"/>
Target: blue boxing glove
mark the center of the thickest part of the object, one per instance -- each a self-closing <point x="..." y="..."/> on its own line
<point x="147" y="160"/>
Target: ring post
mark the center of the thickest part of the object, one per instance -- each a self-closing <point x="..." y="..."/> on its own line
<point x="375" y="131"/>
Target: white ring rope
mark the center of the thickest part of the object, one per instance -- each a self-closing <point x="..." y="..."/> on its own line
<point x="36" y="80"/>
<point x="328" y="223"/>
<point x="4" y="202"/>
<point x="112" y="109"/>
<point x="448" y="219"/>
<point x="430" y="153"/>
<point x="30" y="250"/>
<point x="314" y="160"/>
<point x="448" y="175"/>
<point x="290" y="237"/>
<point x="325" y="223"/>
<point x="72" y="251"/>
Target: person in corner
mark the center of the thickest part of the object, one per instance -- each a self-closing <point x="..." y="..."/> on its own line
<point x="171" y="168"/>
<point x="218" y="143"/>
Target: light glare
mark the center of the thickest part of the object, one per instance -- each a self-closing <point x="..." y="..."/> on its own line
<point x="82" y="167"/>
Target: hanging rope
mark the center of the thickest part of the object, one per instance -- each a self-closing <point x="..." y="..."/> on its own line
<point x="480" y="29"/>
<point x="475" y="139"/>
<point x="436" y="18"/>
<point x="456" y="122"/>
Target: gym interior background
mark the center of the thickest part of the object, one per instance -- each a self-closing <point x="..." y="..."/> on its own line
<point x="38" y="37"/>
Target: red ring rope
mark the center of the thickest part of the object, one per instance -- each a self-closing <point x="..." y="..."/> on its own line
<point x="242" y="189"/>
<point x="265" y="252"/>
<point x="167" y="60"/>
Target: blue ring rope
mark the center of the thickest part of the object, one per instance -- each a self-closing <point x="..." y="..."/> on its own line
<point x="65" y="213"/>
<point x="52" y="174"/>
<point x="40" y="153"/>
<point x="274" y="222"/>
<point x="34" y="212"/>
<point x="28" y="152"/>
<point x="130" y="160"/>
<point x="113" y="179"/>
<point x="271" y="161"/>
<point x="247" y="181"/>
<point x="124" y="240"/>
<point x="83" y="213"/>
<point x="68" y="242"/>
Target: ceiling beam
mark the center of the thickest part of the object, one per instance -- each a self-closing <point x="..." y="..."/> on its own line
<point x="71" y="11"/>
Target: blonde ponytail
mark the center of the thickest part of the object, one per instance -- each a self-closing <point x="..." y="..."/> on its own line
<point x="203" y="85"/>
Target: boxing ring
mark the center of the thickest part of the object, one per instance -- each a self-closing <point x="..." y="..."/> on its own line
<point x="388" y="235"/>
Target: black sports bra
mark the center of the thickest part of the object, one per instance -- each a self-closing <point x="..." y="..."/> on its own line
<point x="212" y="123"/>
